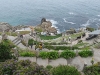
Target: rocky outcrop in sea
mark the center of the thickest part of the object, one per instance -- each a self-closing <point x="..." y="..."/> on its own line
<point x="46" y="26"/>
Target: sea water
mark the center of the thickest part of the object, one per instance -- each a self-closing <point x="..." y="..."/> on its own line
<point x="63" y="14"/>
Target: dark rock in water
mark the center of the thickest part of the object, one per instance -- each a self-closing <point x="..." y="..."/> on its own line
<point x="5" y="26"/>
<point x="43" y="20"/>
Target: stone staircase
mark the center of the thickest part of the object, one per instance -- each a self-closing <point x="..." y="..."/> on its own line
<point x="16" y="41"/>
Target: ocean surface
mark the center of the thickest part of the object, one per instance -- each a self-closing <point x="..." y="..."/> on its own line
<point x="63" y="14"/>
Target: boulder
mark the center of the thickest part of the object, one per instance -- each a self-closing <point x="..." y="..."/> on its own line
<point x="5" y="26"/>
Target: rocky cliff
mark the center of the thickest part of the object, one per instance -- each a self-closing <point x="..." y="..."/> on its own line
<point x="46" y="26"/>
<point x="5" y="26"/>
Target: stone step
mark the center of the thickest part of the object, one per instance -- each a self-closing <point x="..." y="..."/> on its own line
<point x="18" y="42"/>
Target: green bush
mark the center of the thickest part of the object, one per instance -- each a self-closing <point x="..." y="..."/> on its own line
<point x="49" y="67"/>
<point x="5" y="50"/>
<point x="27" y="54"/>
<point x="43" y="55"/>
<point x="85" y="53"/>
<point x="53" y="55"/>
<point x="30" y="42"/>
<point x="92" y="70"/>
<point x="64" y="70"/>
<point x="23" y="67"/>
<point x="67" y="54"/>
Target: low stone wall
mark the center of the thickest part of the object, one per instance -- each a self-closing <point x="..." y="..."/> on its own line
<point x="45" y="62"/>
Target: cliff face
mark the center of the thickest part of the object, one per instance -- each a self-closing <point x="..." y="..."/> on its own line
<point x="46" y="26"/>
<point x="5" y="26"/>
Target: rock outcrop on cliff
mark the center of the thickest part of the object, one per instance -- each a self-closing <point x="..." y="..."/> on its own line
<point x="19" y="27"/>
<point x="71" y="31"/>
<point x="5" y="26"/>
<point x="46" y="26"/>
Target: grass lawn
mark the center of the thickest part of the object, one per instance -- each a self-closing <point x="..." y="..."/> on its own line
<point x="75" y="35"/>
<point x="81" y="44"/>
<point x="43" y="37"/>
<point x="24" y="32"/>
<point x="15" y="33"/>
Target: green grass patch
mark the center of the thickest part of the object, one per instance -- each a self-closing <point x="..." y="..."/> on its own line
<point x="85" y="48"/>
<point x="75" y="35"/>
<point x="60" y="47"/>
<point x="81" y="44"/>
<point x="8" y="33"/>
<point x="44" y="37"/>
<point x="24" y="32"/>
<point x="15" y="33"/>
<point x="27" y="53"/>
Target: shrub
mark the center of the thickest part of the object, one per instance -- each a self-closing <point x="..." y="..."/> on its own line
<point x="5" y="50"/>
<point x="7" y="67"/>
<point x="64" y="70"/>
<point x="92" y="70"/>
<point x="53" y="55"/>
<point x="30" y="42"/>
<point x="43" y="55"/>
<point x="49" y="67"/>
<point x="23" y="67"/>
<point x="27" y="54"/>
<point x="67" y="54"/>
<point x="85" y="53"/>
